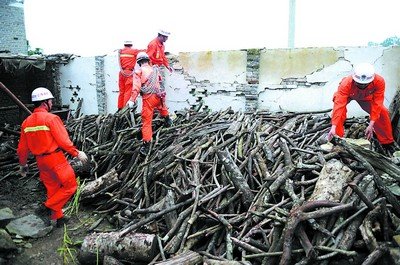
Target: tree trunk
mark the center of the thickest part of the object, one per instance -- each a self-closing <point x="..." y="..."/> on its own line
<point x="92" y="187"/>
<point x="331" y="182"/>
<point x="131" y="247"/>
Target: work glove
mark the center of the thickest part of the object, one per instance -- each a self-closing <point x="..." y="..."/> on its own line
<point x="168" y="121"/>
<point x="131" y="104"/>
<point x="331" y="133"/>
<point x="82" y="156"/>
<point x="369" y="132"/>
<point x="23" y="170"/>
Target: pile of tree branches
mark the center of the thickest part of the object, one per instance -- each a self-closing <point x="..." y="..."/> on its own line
<point x="236" y="188"/>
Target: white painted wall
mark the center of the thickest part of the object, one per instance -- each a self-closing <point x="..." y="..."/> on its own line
<point x="218" y="78"/>
<point x="178" y="91"/>
<point x="79" y="72"/>
<point x="111" y="70"/>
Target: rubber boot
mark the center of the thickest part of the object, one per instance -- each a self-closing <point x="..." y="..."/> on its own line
<point x="145" y="149"/>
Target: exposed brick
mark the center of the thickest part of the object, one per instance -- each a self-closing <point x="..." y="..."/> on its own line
<point x="12" y="27"/>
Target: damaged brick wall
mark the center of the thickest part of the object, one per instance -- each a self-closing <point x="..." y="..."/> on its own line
<point x="100" y="85"/>
<point x="214" y="79"/>
<point x="252" y="78"/>
<point x="12" y="27"/>
<point x="298" y="80"/>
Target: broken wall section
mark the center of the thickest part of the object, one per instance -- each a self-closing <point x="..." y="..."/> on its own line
<point x="246" y="80"/>
<point x="21" y="75"/>
<point x="305" y="79"/>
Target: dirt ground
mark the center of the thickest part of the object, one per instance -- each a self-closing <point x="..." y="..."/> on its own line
<point x="22" y="196"/>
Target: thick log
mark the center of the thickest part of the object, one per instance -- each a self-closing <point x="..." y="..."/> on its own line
<point x="132" y="247"/>
<point x="332" y="181"/>
<point x="92" y="187"/>
<point x="232" y="130"/>
<point x="379" y="162"/>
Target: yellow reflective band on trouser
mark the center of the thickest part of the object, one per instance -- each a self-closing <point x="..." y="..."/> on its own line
<point x="37" y="128"/>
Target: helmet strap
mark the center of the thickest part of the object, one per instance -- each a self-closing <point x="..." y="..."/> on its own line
<point x="361" y="86"/>
<point x="46" y="102"/>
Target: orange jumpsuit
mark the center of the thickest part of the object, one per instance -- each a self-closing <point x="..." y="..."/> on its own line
<point x="150" y="102"/>
<point x="370" y="99"/>
<point x="156" y="53"/>
<point x="44" y="135"/>
<point x="127" y="76"/>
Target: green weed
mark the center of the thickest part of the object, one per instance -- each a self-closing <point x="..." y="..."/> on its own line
<point x="67" y="250"/>
<point x="73" y="205"/>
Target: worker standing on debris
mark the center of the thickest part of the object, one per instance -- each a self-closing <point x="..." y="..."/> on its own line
<point x="127" y="76"/>
<point x="153" y="97"/>
<point x="156" y="52"/>
<point x="43" y="134"/>
<point x="368" y="89"/>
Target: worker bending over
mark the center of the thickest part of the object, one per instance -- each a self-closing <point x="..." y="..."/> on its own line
<point x="153" y="97"/>
<point x="368" y="89"/>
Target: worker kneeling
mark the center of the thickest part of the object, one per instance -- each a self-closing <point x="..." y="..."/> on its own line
<point x="153" y="98"/>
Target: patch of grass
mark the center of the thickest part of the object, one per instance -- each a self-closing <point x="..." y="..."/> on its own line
<point x="73" y="205"/>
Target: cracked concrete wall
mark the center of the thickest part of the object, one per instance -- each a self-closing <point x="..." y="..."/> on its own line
<point x="299" y="79"/>
<point x="305" y="79"/>
<point x="215" y="78"/>
<point x="246" y="80"/>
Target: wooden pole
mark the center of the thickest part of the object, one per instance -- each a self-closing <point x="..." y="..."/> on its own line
<point x="15" y="99"/>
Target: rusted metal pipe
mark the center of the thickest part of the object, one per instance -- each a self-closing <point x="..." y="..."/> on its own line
<point x="14" y="98"/>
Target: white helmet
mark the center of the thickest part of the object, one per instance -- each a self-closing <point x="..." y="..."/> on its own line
<point x="364" y="73"/>
<point x="128" y="42"/>
<point x="40" y="94"/>
<point x="142" y="56"/>
<point x="164" y="33"/>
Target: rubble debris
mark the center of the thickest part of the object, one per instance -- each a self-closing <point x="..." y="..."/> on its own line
<point x="240" y="187"/>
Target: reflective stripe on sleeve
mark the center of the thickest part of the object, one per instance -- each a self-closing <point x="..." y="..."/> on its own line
<point x="37" y="128"/>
